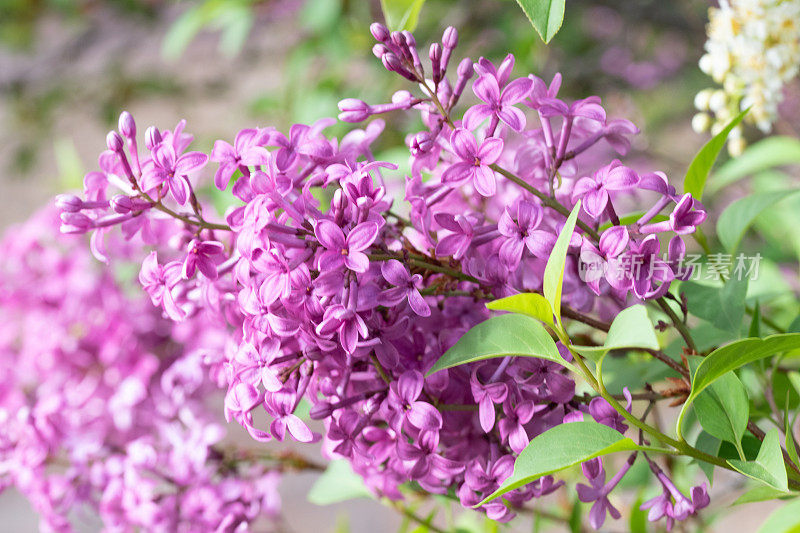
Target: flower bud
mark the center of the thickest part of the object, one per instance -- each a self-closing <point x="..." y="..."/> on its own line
<point x="422" y="143"/>
<point x="450" y="37"/>
<point x="409" y="38"/>
<point x="379" y="31"/>
<point x="127" y="126"/>
<point x="701" y="122"/>
<point x="75" y="223"/>
<point x="152" y="137"/>
<point x="393" y="64"/>
<point x="354" y="110"/>
<point x="114" y="142"/>
<point x="435" y="55"/>
<point x="378" y="50"/>
<point x="69" y="203"/>
<point x="122" y="204"/>
<point x="321" y="411"/>
<point x="702" y="99"/>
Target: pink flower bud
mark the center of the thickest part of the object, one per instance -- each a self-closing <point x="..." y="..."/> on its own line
<point x="69" y="203"/>
<point x="378" y="50"/>
<point x="114" y="142"/>
<point x="353" y="110"/>
<point x="152" y="137"/>
<point x="379" y="31"/>
<point x="75" y="223"/>
<point x="320" y="411"/>
<point x="122" y="204"/>
<point x="127" y="126"/>
<point x="450" y="38"/>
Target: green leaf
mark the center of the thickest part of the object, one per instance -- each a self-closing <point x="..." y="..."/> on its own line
<point x="402" y="14"/>
<point x="337" y="484"/>
<point x="710" y="445"/>
<point x="530" y="304"/>
<point x="722" y="306"/>
<point x="502" y="336"/>
<point x="755" y="323"/>
<point x="723" y="410"/>
<point x="235" y="23"/>
<point x="791" y="448"/>
<point x="737" y="217"/>
<point x="181" y="33"/>
<point x="784" y="520"/>
<point x="697" y="174"/>
<point x="732" y="356"/>
<point x="765" y="154"/>
<point x="554" y="271"/>
<point x="631" y="328"/>
<point x="561" y="447"/>
<point x="768" y="466"/>
<point x="761" y="493"/>
<point x="545" y="15"/>
<point x="68" y="161"/>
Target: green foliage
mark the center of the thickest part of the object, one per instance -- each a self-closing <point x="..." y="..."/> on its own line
<point x="723" y="307"/>
<point x="529" y="304"/>
<point x="233" y="18"/>
<point x="631" y="328"/>
<point x="733" y="356"/>
<point x="765" y="154"/>
<point x="737" y="218"/>
<point x="554" y="271"/>
<point x="768" y="466"/>
<point x="784" y="520"/>
<point x="402" y="14"/>
<point x="697" y="174"/>
<point x="545" y="15"/>
<point x="723" y="410"/>
<point x="502" y="336"/>
<point x="561" y="447"/>
<point x="337" y="484"/>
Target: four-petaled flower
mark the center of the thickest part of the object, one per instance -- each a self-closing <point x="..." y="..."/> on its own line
<point x="158" y="281"/>
<point x="345" y="251"/>
<point x="498" y="104"/>
<point x="203" y="256"/>
<point x="475" y="162"/>
<point x="595" y="190"/>
<point x="518" y="226"/>
<point x="405" y="286"/>
<point x="166" y="166"/>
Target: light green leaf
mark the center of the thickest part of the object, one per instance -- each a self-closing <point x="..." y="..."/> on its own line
<point x="337" y="484"/>
<point x="402" y="14"/>
<point x="235" y="23"/>
<point x="631" y="328"/>
<point x="722" y="306"/>
<point x="181" y="33"/>
<point x="765" y="154"/>
<point x="70" y="167"/>
<point x="768" y="466"/>
<point x="502" y="336"/>
<point x="732" y="356"/>
<point x="531" y="304"/>
<point x="737" y="217"/>
<point x="545" y="15"/>
<point x="791" y="447"/>
<point x="561" y="447"/>
<point x="554" y="271"/>
<point x="723" y="410"/>
<point x="784" y="520"/>
<point x="761" y="493"/>
<point x="697" y="174"/>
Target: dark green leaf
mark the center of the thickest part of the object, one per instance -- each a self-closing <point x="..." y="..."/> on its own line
<point x="722" y="306"/>
<point x="696" y="176"/>
<point x="710" y="445"/>
<point x="755" y="323"/>
<point x="723" y="409"/>
<point x="502" y="336"/>
<point x="554" y="270"/>
<point x="545" y="15"/>
<point x="561" y="447"/>
<point x="768" y="466"/>
<point x="732" y="356"/>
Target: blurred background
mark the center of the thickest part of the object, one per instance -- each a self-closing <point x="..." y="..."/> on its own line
<point x="68" y="67"/>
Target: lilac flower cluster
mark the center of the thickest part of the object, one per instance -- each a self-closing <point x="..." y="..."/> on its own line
<point x="337" y="294"/>
<point x="102" y="410"/>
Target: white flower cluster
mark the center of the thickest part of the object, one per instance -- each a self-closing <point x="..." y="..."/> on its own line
<point x="753" y="49"/>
